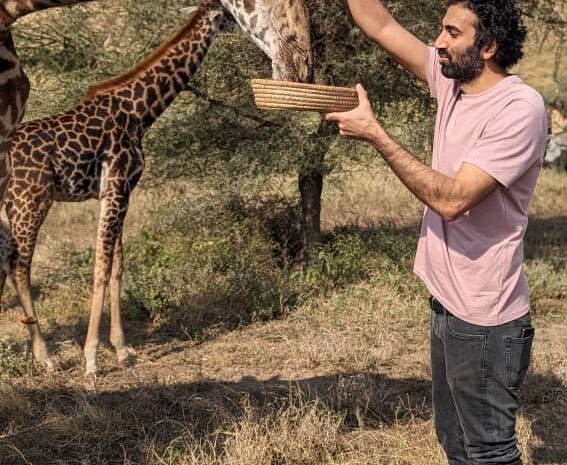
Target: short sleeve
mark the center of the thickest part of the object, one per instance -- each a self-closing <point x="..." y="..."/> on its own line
<point x="431" y="70"/>
<point x="512" y="142"/>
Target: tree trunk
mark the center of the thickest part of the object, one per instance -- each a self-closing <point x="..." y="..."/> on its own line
<point x="311" y="186"/>
<point x="310" y="182"/>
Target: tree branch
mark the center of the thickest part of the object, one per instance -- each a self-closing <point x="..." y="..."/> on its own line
<point x="219" y="104"/>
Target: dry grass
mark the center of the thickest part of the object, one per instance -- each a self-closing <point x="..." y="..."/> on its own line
<point x="385" y="200"/>
<point x="344" y="379"/>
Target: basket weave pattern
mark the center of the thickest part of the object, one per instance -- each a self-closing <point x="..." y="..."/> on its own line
<point x="283" y="95"/>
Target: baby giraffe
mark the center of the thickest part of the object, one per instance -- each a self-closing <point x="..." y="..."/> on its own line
<point x="95" y="151"/>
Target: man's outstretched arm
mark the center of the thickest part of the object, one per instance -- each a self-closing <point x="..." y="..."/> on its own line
<point x="450" y="197"/>
<point x="382" y="28"/>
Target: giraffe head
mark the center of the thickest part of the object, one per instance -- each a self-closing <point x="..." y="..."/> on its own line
<point x="217" y="14"/>
<point x="280" y="28"/>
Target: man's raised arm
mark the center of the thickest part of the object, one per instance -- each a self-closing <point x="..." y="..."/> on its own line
<point x="382" y="28"/>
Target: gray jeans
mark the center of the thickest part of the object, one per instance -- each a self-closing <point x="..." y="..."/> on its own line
<point x="477" y="372"/>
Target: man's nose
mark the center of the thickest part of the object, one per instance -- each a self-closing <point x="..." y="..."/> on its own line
<point x="441" y="41"/>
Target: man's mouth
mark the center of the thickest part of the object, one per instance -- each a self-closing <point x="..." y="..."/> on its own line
<point x="443" y="56"/>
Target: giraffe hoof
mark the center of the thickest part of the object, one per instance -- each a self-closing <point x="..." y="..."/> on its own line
<point x="47" y="364"/>
<point x="126" y="355"/>
<point x="91" y="380"/>
<point x="91" y="371"/>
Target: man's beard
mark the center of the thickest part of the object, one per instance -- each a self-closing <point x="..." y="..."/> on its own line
<point x="465" y="68"/>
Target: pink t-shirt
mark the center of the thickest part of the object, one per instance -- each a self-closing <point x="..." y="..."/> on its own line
<point x="473" y="265"/>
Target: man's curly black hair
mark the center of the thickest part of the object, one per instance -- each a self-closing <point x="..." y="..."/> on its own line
<point x="500" y="22"/>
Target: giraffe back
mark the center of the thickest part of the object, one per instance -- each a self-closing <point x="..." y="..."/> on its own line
<point x="63" y="155"/>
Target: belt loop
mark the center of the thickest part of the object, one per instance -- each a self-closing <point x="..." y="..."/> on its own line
<point x="432" y="303"/>
<point x="436" y="306"/>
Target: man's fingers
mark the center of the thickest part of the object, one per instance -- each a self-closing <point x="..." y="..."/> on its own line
<point x="362" y="94"/>
<point x="334" y="117"/>
<point x="361" y="91"/>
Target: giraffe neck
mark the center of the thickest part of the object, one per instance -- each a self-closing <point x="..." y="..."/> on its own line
<point x="280" y="28"/>
<point x="148" y="90"/>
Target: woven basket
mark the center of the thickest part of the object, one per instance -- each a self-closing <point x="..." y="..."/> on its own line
<point x="283" y="95"/>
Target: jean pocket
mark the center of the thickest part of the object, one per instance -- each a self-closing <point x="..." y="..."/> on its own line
<point x="518" y="353"/>
<point x="460" y="329"/>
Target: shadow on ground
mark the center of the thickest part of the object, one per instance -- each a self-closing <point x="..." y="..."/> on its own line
<point x="545" y="404"/>
<point x="62" y="424"/>
<point x="68" y="425"/>
<point x="74" y="425"/>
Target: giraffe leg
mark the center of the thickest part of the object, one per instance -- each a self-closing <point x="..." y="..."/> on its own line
<point x="6" y="249"/>
<point x="4" y="246"/>
<point x="112" y="214"/>
<point x="117" y="339"/>
<point x="2" y="285"/>
<point x="26" y="217"/>
<point x="5" y="171"/>
<point x="22" y="284"/>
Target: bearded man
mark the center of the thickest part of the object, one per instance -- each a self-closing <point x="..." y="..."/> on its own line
<point x="490" y="136"/>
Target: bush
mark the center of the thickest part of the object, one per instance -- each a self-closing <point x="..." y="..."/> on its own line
<point x="204" y="263"/>
<point x="227" y="260"/>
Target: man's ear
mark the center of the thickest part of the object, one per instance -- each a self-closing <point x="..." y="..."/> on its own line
<point x="488" y="51"/>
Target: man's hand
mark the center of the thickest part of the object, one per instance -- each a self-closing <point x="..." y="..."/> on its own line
<point x="359" y="123"/>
